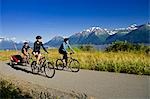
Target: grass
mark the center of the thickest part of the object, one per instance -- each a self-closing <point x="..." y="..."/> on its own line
<point x="121" y="62"/>
<point x="5" y="55"/>
<point x="10" y="91"/>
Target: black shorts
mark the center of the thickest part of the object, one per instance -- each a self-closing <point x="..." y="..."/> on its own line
<point x="64" y="53"/>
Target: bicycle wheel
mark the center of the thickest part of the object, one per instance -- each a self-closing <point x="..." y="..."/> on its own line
<point x="74" y="65"/>
<point x="49" y="69"/>
<point x="34" y="68"/>
<point x="59" y="64"/>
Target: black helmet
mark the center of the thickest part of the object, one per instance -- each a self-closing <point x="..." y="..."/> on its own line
<point x="38" y="37"/>
<point x="25" y="42"/>
<point x="66" y="39"/>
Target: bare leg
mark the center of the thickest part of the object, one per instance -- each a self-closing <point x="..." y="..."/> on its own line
<point x="24" y="58"/>
<point x="38" y="58"/>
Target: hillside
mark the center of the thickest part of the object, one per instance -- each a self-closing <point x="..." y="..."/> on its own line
<point x="55" y="42"/>
<point x="140" y="35"/>
<point x="116" y="36"/>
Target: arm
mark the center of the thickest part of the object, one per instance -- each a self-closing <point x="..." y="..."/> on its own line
<point x="30" y="50"/>
<point x="34" y="47"/>
<point x="70" y="47"/>
<point x="44" y="48"/>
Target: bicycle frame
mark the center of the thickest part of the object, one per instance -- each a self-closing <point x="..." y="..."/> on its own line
<point x="41" y="58"/>
<point x="69" y="58"/>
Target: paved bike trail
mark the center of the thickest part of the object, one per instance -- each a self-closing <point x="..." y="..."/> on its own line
<point x="96" y="84"/>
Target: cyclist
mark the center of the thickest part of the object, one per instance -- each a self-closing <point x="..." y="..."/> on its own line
<point x="37" y="46"/>
<point x="63" y="49"/>
<point x="25" y="50"/>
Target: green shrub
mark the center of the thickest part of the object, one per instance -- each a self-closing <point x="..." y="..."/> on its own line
<point x="87" y="48"/>
<point x="9" y="91"/>
<point x="128" y="47"/>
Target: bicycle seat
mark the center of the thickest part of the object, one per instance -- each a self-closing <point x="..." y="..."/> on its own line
<point x="36" y="56"/>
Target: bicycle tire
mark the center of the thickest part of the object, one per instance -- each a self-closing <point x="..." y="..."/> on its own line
<point x="74" y="65"/>
<point x="34" y="68"/>
<point x="49" y="69"/>
<point x="59" y="64"/>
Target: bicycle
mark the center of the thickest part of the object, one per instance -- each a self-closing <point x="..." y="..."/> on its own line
<point x="74" y="64"/>
<point x="44" y="66"/>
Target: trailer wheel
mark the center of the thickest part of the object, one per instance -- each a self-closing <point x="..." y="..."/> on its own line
<point x="11" y="64"/>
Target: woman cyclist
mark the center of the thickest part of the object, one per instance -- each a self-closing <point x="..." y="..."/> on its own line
<point x="37" y="47"/>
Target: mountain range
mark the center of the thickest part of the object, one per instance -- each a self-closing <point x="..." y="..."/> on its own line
<point x="95" y="36"/>
<point x="100" y="36"/>
<point x="9" y="43"/>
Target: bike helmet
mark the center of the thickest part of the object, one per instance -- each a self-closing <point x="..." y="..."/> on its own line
<point x="38" y="37"/>
<point x="66" y="39"/>
<point x="25" y="42"/>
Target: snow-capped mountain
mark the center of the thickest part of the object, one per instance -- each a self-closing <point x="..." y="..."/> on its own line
<point x="116" y="34"/>
<point x="7" y="39"/>
<point x="98" y="36"/>
<point x="132" y="27"/>
<point x="10" y="43"/>
<point x="7" y="43"/>
<point x="139" y="35"/>
<point x="123" y="30"/>
<point x="95" y="29"/>
<point x="93" y="35"/>
<point x="1" y="38"/>
<point x="134" y="34"/>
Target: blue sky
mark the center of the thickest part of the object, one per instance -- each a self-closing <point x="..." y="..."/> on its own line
<point x="24" y="19"/>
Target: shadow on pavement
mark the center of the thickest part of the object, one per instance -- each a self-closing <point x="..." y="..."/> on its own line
<point x="65" y="69"/>
<point x="16" y="67"/>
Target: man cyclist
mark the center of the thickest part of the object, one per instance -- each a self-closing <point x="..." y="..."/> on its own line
<point x="63" y="49"/>
<point x="25" y="50"/>
<point x="37" y="47"/>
